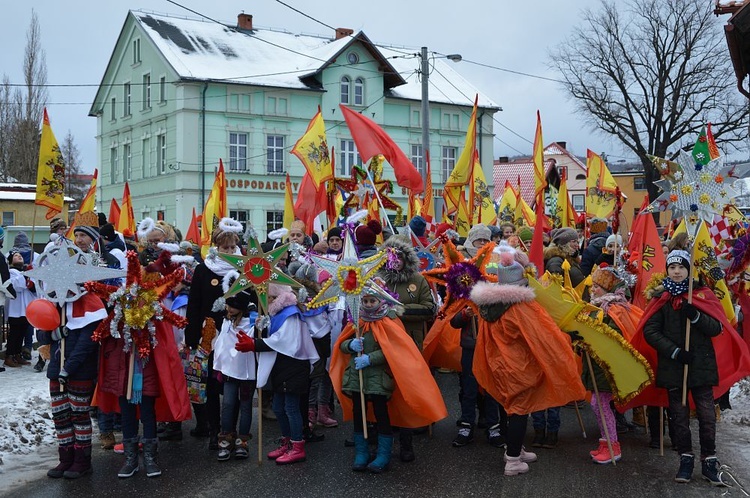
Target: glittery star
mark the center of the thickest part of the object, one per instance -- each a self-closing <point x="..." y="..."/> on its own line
<point x="257" y="270"/>
<point x="63" y="269"/>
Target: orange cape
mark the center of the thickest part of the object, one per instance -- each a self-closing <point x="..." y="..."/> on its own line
<point x="626" y="320"/>
<point x="416" y="400"/>
<point x="526" y="362"/>
<point x="442" y="345"/>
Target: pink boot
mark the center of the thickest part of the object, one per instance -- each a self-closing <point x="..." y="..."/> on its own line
<point x="295" y="454"/>
<point x="312" y="417"/>
<point x="283" y="448"/>
<point x="325" y="417"/>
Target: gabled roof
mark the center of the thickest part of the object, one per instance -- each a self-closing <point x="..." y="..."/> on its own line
<point x="556" y="149"/>
<point x="512" y="171"/>
<point x="209" y="51"/>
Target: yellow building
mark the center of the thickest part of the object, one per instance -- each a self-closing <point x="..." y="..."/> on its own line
<point x="632" y="184"/>
<point x="18" y="213"/>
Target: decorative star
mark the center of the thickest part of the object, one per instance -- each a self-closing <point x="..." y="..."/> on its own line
<point x="257" y="270"/>
<point x="63" y="269"/>
<point x="458" y="275"/>
<point x="362" y="190"/>
<point x="136" y="305"/>
<point x="350" y="276"/>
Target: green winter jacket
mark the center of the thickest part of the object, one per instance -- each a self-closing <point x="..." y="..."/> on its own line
<point x="376" y="378"/>
<point x="665" y="331"/>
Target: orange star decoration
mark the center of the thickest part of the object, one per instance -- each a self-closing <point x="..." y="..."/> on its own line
<point x="459" y="275"/>
<point x="135" y="307"/>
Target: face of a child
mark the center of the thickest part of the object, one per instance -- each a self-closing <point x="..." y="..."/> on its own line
<point x="612" y="247"/>
<point x="507" y="231"/>
<point x="370" y="303"/>
<point x="677" y="272"/>
<point x="233" y="313"/>
<point x="297" y="236"/>
<point x="597" y="290"/>
<point x="398" y="264"/>
<point x="335" y="243"/>
<point x="480" y="243"/>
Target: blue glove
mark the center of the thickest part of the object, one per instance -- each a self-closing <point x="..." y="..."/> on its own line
<point x="356" y="345"/>
<point x="361" y="362"/>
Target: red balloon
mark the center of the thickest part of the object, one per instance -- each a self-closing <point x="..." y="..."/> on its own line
<point x="43" y="315"/>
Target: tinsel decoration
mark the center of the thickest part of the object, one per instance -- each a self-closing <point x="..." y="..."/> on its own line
<point x="740" y="256"/>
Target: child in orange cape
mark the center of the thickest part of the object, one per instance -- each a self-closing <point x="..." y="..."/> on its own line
<point x="396" y="380"/>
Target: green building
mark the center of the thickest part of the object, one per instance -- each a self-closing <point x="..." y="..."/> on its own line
<point x="178" y="95"/>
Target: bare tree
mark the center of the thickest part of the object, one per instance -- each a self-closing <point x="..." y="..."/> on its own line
<point x="74" y="186"/>
<point x="652" y="73"/>
<point x="24" y="154"/>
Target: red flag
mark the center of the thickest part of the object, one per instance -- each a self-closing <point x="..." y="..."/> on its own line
<point x="371" y="140"/>
<point x="114" y="212"/>
<point x="310" y="202"/>
<point x="646" y="253"/>
<point x="193" y="233"/>
<point x="536" y="255"/>
<point x="713" y="149"/>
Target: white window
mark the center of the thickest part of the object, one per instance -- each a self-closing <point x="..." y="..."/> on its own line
<point x="136" y="51"/>
<point x="417" y="158"/>
<point x="113" y="109"/>
<point x="274" y="220"/>
<point x="146" y="92"/>
<point x="9" y="218"/>
<point x="126" y="99"/>
<point x="275" y="154"/>
<point x="242" y="216"/>
<point x="238" y="152"/>
<point x="126" y="161"/>
<point x="579" y="202"/>
<point x="449" y="161"/>
<point x="349" y="157"/>
<point x="359" y="91"/>
<point x="113" y="160"/>
<point x="163" y="89"/>
<point x="145" y="158"/>
<point x="161" y="153"/>
<point x="345" y="88"/>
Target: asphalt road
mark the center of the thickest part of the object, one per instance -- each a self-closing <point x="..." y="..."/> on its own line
<point x="189" y="469"/>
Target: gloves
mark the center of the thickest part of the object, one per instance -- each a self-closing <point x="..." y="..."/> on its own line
<point x="245" y="343"/>
<point x="691" y="311"/>
<point x="575" y="336"/>
<point x="684" y="357"/>
<point x="361" y="362"/>
<point x="356" y="345"/>
<point x="62" y="377"/>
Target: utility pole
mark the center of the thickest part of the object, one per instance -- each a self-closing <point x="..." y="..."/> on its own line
<point x="425" y="112"/>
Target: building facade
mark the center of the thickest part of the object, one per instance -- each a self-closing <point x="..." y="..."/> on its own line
<point x="178" y="95"/>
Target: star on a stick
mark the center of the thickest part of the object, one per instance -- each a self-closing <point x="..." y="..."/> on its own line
<point x="257" y="270"/>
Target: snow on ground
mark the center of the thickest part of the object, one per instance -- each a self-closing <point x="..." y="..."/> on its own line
<point x="739" y="397"/>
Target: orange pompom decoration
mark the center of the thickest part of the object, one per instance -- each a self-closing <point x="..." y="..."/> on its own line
<point x="43" y="314"/>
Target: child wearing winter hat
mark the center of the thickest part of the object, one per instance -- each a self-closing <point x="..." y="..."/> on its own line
<point x="286" y="356"/>
<point x="365" y="237"/>
<point x="335" y="241"/>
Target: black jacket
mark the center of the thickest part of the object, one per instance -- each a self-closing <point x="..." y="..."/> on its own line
<point x="204" y="290"/>
<point x="592" y="252"/>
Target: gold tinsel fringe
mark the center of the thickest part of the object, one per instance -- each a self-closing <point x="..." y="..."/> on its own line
<point x="654" y="282"/>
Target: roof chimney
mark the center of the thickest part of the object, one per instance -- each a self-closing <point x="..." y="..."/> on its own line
<point x="503" y="159"/>
<point x="245" y="21"/>
<point x="343" y="33"/>
<point x="562" y="144"/>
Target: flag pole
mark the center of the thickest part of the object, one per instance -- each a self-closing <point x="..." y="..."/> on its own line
<point x="690" y="301"/>
<point x="358" y="335"/>
<point x="601" y="409"/>
<point x="380" y="201"/>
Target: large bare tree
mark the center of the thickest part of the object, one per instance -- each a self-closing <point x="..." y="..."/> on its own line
<point x="652" y="73"/>
<point x="74" y="186"/>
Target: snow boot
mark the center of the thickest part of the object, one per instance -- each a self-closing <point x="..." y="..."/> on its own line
<point x="685" y="472"/>
<point x="284" y="446"/>
<point x="81" y="463"/>
<point x="383" y="458"/>
<point x="538" y="438"/>
<point x="296" y="453"/>
<point x="241" y="451"/>
<point x="465" y="435"/>
<point x="10" y="362"/>
<point x="226" y="446"/>
<point x="66" y="461"/>
<point x="495" y="436"/>
<point x="525" y="456"/>
<point x="131" y="458"/>
<point x="514" y="466"/>
<point x="604" y="457"/>
<point x="362" y="452"/>
<point x="107" y="440"/>
<point x="710" y="471"/>
<point x="21" y="360"/>
<point x="40" y="363"/>
<point x="201" y="421"/>
<point x="550" y="440"/>
<point x="602" y="447"/>
<point x="312" y="417"/>
<point x="406" y="448"/>
<point x="325" y="417"/>
<point x="150" y="455"/>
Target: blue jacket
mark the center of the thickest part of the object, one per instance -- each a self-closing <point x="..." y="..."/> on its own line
<point x="81" y="355"/>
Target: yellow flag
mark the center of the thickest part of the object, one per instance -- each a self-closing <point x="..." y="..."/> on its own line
<point x="288" y="204"/>
<point x="565" y="213"/>
<point x="507" y="208"/>
<point x="89" y="201"/>
<point x="50" y="174"/>
<point x="480" y="200"/>
<point x="704" y="261"/>
<point x="525" y="213"/>
<point x="312" y="151"/>
<point x="461" y="174"/>
<point x="540" y="180"/>
<point x="373" y="213"/>
<point x="126" y="223"/>
<point x="463" y="217"/>
<point x="600" y="187"/>
<point x="215" y="209"/>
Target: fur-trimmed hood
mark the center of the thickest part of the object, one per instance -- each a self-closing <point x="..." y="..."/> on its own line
<point x="486" y="294"/>
<point x="406" y="252"/>
<point x="553" y="251"/>
<point x="282" y="301"/>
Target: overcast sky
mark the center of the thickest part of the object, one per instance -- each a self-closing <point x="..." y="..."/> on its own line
<point x="79" y="36"/>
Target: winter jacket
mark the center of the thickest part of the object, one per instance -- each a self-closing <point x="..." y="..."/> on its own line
<point x="376" y="379"/>
<point x="469" y="328"/>
<point x="665" y="331"/>
<point x="115" y="366"/>
<point x="288" y="374"/>
<point x="592" y="252"/>
<point x="553" y="260"/>
<point x="5" y="274"/>
<point x="80" y="354"/>
<point x="204" y="290"/>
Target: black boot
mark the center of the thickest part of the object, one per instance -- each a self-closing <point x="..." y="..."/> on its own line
<point x="406" y="449"/>
<point x="150" y="454"/>
<point x="685" y="472"/>
<point x="213" y="439"/>
<point x="201" y="421"/>
<point x="130" y="447"/>
<point x="310" y="436"/>
<point x="538" y="438"/>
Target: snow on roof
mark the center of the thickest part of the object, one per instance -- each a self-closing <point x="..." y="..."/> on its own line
<point x="555" y="149"/>
<point x="522" y="169"/>
<point x="15" y="195"/>
<point x="206" y="50"/>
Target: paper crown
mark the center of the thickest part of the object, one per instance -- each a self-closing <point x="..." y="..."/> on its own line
<point x="87" y="219"/>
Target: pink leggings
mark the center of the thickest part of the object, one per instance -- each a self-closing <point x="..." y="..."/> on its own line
<point x="609" y="416"/>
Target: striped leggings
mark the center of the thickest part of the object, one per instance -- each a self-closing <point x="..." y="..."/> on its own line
<point x="70" y="411"/>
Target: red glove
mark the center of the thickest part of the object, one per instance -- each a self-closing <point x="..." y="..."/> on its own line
<point x="245" y="343"/>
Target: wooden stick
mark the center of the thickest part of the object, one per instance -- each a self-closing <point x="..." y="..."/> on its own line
<point x="260" y="426"/>
<point x="601" y="410"/>
<point x="687" y="327"/>
<point x="62" y="342"/>
<point x="358" y="335"/>
<point x="580" y="419"/>
<point x="661" y="431"/>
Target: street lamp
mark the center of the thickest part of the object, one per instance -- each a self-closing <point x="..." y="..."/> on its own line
<point x="426" y="105"/>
